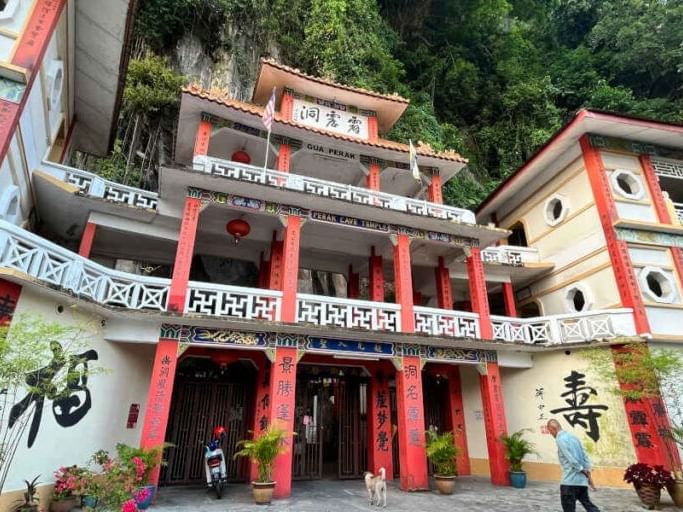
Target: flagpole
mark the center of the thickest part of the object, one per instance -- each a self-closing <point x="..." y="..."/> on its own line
<point x="265" y="163"/>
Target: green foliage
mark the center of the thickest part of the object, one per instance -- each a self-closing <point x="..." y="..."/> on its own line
<point x="442" y="451"/>
<point x="263" y="450"/>
<point x="516" y="448"/>
<point x="150" y="457"/>
<point x="152" y="87"/>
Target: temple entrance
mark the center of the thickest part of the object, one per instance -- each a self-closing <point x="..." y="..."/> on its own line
<point x="436" y="400"/>
<point x="206" y="394"/>
<point x="330" y="422"/>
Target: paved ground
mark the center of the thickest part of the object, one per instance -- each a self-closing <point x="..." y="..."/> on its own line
<point x="472" y="495"/>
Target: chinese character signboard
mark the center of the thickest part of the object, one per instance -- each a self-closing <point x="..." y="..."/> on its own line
<point x="331" y="117"/>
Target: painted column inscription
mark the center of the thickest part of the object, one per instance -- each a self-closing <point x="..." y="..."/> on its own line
<point x="495" y="424"/>
<point x="184" y="254"/>
<point x="379" y="414"/>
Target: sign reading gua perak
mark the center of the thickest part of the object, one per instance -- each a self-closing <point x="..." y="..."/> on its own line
<point x="329" y="116"/>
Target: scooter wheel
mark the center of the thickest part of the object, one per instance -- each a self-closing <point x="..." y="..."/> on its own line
<point x="218" y="487"/>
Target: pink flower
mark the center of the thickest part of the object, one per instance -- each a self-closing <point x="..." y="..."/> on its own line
<point x="129" y="506"/>
<point x="141" y="495"/>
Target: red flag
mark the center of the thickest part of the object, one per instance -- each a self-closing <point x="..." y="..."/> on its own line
<point x="269" y="112"/>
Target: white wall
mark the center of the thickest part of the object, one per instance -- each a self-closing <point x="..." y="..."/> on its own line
<point x="128" y="370"/>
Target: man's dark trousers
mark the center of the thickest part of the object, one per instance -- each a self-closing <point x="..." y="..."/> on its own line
<point x="569" y="494"/>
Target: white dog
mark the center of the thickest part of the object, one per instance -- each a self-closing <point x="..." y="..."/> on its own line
<point x="377" y="487"/>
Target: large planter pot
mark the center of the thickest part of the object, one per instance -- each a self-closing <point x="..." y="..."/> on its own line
<point x="263" y="492"/>
<point x="64" y="505"/>
<point x="445" y="484"/>
<point x="649" y="495"/>
<point x="518" y="479"/>
<point x="88" y="501"/>
<point x="147" y="502"/>
<point x="676" y="492"/>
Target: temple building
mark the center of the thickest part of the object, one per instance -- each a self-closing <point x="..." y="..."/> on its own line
<point x="477" y="322"/>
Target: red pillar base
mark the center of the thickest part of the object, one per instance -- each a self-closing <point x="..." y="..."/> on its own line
<point x="411" y="426"/>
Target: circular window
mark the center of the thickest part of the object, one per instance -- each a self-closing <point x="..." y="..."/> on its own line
<point x="556" y="210"/>
<point x="627" y="184"/>
<point x="578" y="299"/>
<point x="657" y="285"/>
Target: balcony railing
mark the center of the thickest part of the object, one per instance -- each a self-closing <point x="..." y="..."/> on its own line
<point x="510" y="255"/>
<point x="92" y="185"/>
<point x="443" y="322"/>
<point x="348" y="313"/>
<point x="329" y="189"/>
<point x="52" y="265"/>
<point x="558" y="329"/>
<point x="679" y="212"/>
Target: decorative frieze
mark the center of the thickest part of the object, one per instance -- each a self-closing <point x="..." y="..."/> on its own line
<point x="632" y="146"/>
<point x="272" y="208"/>
<point x="648" y="237"/>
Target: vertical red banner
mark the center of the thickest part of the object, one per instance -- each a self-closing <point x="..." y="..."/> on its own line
<point x="159" y="397"/>
<point x="444" y="293"/>
<point x="290" y="268"/>
<point x="403" y="282"/>
<point x="495" y="423"/>
<point x="411" y="426"/>
<point x="202" y="138"/>
<point x="478" y="295"/>
<point x="457" y="419"/>
<point x="373" y="180"/>
<point x="87" y="239"/>
<point x="434" y="193"/>
<point x="376" y="274"/>
<point x="275" y="266"/>
<point x="379" y="421"/>
<point x="509" y="300"/>
<point x="184" y="254"/>
<point x="284" y="158"/>
<point x="9" y="296"/>
<point x="261" y="405"/>
<point x="282" y="402"/>
<point x="373" y="129"/>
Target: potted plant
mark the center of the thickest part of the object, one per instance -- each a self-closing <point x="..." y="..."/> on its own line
<point x="90" y="486"/>
<point x="31" y="499"/>
<point x="516" y="448"/>
<point x="141" y="462"/>
<point x="263" y="450"/>
<point x="648" y="482"/>
<point x="442" y="451"/>
<point x="67" y="489"/>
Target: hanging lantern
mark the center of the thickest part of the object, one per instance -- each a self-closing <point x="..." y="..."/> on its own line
<point x="241" y="156"/>
<point x="238" y="228"/>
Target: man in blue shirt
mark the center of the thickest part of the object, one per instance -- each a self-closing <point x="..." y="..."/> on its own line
<point x="576" y="470"/>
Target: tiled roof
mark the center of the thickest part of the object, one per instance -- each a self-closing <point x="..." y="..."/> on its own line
<point x="294" y="71"/>
<point x="222" y="97"/>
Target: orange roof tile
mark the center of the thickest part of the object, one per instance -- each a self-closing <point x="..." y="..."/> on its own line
<point x="222" y="97"/>
<point x="391" y="97"/>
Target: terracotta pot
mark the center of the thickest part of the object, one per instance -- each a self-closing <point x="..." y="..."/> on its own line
<point x="649" y="495"/>
<point x="676" y="492"/>
<point x="64" y="505"/>
<point x="263" y="492"/>
<point x="445" y="484"/>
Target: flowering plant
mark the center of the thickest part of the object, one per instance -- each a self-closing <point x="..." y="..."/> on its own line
<point x="644" y="474"/>
<point x="69" y="481"/>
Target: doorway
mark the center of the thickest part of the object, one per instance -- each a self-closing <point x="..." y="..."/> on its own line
<point x="330" y="422"/>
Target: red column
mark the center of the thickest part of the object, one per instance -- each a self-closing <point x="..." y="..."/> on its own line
<point x="457" y="418"/>
<point x="202" y="138"/>
<point x="184" y="253"/>
<point x="509" y="300"/>
<point x="403" y="282"/>
<point x="87" y="239"/>
<point x="284" y="158"/>
<point x="290" y="268"/>
<point x="373" y="129"/>
<point x="444" y="293"/>
<point x="353" y="284"/>
<point x="655" y="189"/>
<point x="478" y="295"/>
<point x="379" y="420"/>
<point x="647" y="420"/>
<point x="275" y="266"/>
<point x="263" y="271"/>
<point x="434" y="193"/>
<point x="494" y="420"/>
<point x="261" y="405"/>
<point x="411" y="426"/>
<point x="373" y="180"/>
<point x="376" y="290"/>
<point x="159" y="398"/>
<point x="617" y="249"/>
<point x="282" y="403"/>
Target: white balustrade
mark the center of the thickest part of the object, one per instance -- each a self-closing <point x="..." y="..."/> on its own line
<point x="679" y="211"/>
<point x="234" y="301"/>
<point x="668" y="168"/>
<point x="559" y="329"/>
<point x="348" y="313"/>
<point x="92" y="185"/>
<point x="510" y="255"/>
<point x="56" y="266"/>
<point x="323" y="188"/>
<point x="444" y="322"/>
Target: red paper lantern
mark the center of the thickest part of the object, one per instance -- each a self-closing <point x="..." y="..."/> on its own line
<point x="238" y="228"/>
<point x="241" y="156"/>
